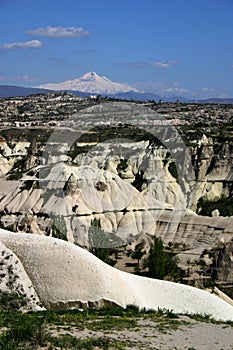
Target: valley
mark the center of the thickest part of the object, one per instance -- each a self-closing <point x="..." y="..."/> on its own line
<point x="125" y="172"/>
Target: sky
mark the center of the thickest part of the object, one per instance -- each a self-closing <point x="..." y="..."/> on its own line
<point x="168" y="47"/>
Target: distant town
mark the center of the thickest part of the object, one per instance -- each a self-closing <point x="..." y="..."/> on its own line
<point x="49" y="109"/>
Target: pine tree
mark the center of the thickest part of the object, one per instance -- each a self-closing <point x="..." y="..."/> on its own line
<point x="157" y="259"/>
<point x="137" y="254"/>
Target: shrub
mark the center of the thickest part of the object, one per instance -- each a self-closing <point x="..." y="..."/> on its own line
<point x="223" y="204"/>
<point x="26" y="332"/>
<point x="11" y="301"/>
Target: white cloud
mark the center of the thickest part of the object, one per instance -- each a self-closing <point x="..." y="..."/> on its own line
<point x="176" y="90"/>
<point x="206" y="89"/>
<point x="18" y="78"/>
<point x="22" y="45"/>
<point x="60" y="32"/>
<point x="166" y="64"/>
<point x="161" y="88"/>
<point x="157" y="64"/>
<point x="207" y="92"/>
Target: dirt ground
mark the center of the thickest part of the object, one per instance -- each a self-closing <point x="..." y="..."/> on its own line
<point x="189" y="334"/>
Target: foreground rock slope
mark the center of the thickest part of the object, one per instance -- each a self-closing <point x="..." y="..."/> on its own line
<point x="65" y="275"/>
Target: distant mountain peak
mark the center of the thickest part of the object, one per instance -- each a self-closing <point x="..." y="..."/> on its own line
<point x="90" y="75"/>
<point x="91" y="82"/>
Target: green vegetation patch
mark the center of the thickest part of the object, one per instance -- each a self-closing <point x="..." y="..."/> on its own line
<point x="69" y="342"/>
<point x="61" y="329"/>
<point x="223" y="204"/>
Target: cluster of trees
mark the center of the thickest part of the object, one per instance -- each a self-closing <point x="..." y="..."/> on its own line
<point x="102" y="244"/>
<point x="160" y="262"/>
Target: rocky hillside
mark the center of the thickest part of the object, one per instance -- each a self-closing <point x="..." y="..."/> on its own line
<point x="129" y="183"/>
<point x="134" y="169"/>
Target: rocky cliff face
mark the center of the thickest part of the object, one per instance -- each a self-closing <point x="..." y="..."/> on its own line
<point x="132" y="178"/>
<point x="131" y="187"/>
<point x="213" y="170"/>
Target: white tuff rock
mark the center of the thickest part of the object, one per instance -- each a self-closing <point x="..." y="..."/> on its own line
<point x="65" y="275"/>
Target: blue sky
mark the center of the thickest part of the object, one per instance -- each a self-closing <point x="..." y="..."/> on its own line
<point x="176" y="47"/>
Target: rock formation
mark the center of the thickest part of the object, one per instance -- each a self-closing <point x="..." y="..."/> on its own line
<point x="82" y="193"/>
<point x="143" y="178"/>
<point x="64" y="275"/>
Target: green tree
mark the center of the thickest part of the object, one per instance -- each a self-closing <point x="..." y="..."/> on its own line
<point x="161" y="263"/>
<point x="102" y="244"/>
<point x="157" y="259"/>
<point x="137" y="254"/>
<point x="59" y="229"/>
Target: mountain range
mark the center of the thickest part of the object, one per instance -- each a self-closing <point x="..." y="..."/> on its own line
<point x="93" y="83"/>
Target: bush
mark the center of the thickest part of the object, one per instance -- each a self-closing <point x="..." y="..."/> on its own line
<point x="27" y="332"/>
<point x="11" y="301"/>
<point x="223" y="204"/>
<point x="122" y="166"/>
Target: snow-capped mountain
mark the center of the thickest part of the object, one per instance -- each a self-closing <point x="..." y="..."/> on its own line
<point x="91" y="82"/>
